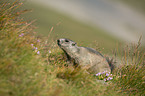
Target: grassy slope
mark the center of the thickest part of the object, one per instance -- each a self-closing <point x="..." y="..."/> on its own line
<point x="23" y="72"/>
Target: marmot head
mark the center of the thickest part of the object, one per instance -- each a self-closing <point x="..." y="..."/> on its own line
<point x="67" y="45"/>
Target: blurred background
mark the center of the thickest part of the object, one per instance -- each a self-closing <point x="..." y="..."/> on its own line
<point x="107" y="23"/>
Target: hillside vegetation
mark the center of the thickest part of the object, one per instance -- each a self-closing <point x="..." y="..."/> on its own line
<point x="34" y="66"/>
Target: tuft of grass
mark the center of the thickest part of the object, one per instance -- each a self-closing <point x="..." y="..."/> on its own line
<point x="19" y="63"/>
<point x="130" y="74"/>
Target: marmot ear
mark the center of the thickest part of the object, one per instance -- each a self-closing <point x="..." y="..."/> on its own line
<point x="73" y="44"/>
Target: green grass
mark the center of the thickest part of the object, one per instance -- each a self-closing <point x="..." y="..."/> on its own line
<point x="25" y="72"/>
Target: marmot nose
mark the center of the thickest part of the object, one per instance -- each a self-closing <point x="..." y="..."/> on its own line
<point x="58" y="41"/>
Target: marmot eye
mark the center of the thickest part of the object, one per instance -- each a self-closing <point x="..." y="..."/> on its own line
<point x="73" y="44"/>
<point x="66" y="41"/>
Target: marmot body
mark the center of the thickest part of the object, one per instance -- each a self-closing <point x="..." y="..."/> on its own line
<point x="85" y="57"/>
